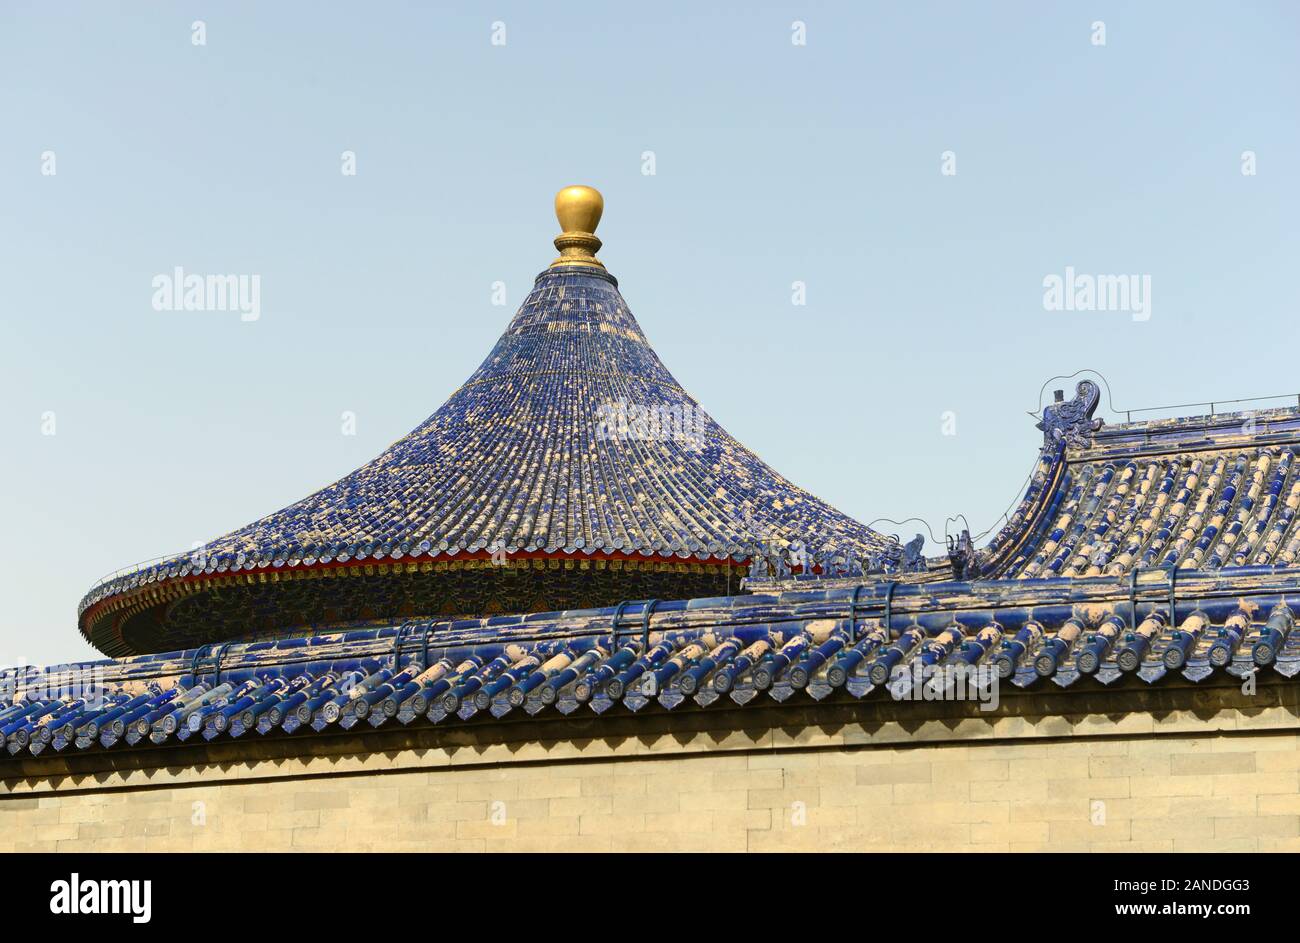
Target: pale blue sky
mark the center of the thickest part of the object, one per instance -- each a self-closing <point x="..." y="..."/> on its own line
<point x="775" y="163"/>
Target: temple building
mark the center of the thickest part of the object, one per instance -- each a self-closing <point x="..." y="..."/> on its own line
<point x="570" y="471"/>
<point x="570" y="612"/>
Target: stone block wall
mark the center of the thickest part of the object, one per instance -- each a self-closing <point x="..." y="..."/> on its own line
<point x="1226" y="781"/>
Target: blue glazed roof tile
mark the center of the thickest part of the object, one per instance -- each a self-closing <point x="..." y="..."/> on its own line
<point x="835" y="644"/>
<point x="1140" y="554"/>
<point x="571" y="438"/>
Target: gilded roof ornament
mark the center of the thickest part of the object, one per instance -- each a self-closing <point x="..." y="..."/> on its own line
<point x="578" y="209"/>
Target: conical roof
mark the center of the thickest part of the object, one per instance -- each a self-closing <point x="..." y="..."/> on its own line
<point x="570" y="441"/>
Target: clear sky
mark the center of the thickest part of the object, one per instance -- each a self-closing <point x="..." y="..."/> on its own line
<point x="774" y="163"/>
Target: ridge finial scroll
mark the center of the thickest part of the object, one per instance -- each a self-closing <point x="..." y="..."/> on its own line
<point x="1071" y="421"/>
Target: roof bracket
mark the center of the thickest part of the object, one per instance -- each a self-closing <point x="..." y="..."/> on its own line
<point x="889" y="609"/>
<point x="650" y="607"/>
<point x="1173" y="595"/>
<point x="1132" y="597"/>
<point x="397" y="644"/>
<point x="424" y="645"/>
<point x="205" y="651"/>
<point x="618" y="618"/>
<point x="199" y="654"/>
<point x="853" y="613"/>
<point x="216" y="663"/>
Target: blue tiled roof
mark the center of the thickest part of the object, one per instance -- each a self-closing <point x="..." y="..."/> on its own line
<point x="1157" y="553"/>
<point x="1199" y="493"/>
<point x="544" y="449"/>
<point x="877" y="641"/>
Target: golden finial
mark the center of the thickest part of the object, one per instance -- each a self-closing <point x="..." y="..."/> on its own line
<point x="578" y="209"/>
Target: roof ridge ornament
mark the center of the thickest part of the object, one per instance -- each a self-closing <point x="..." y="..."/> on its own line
<point x="1071" y="421"/>
<point x="578" y="209"/>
